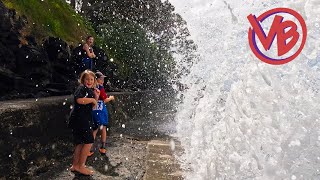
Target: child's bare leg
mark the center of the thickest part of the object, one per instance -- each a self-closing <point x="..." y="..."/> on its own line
<point x="83" y="158"/>
<point x="104" y="135"/>
<point x="95" y="133"/>
<point x="103" y="140"/>
<point x="76" y="157"/>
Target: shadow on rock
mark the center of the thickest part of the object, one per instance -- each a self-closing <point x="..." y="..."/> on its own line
<point x="102" y="165"/>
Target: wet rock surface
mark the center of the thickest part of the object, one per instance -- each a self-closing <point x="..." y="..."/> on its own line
<point x="161" y="162"/>
<point x="29" y="69"/>
<point x="125" y="159"/>
<point x="33" y="135"/>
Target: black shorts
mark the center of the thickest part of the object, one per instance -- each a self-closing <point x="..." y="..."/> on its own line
<point x="94" y="126"/>
<point x="82" y="136"/>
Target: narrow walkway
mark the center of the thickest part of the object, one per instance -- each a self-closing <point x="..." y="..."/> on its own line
<point x="160" y="161"/>
<point x="125" y="159"/>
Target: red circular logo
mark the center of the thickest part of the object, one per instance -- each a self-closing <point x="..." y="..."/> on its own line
<point x="277" y="29"/>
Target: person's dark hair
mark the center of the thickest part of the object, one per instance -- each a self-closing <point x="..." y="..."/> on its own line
<point x="89" y="38"/>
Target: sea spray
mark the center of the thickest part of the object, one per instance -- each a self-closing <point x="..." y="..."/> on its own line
<point x="241" y="118"/>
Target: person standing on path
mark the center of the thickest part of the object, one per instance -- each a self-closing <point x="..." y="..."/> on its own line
<point x="80" y="121"/>
<point x="88" y="54"/>
<point x="100" y="113"/>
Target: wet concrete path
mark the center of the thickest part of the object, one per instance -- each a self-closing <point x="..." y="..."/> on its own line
<point x="125" y="159"/>
<point x="133" y="151"/>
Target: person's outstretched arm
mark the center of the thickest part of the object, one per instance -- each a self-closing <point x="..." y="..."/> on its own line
<point x="110" y="98"/>
<point x="86" y="100"/>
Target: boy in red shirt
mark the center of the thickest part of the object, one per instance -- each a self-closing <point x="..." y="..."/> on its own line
<point x="100" y="113"/>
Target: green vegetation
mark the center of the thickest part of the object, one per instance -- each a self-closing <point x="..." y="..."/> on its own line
<point x="140" y="36"/>
<point x="51" y="18"/>
<point x="140" y="61"/>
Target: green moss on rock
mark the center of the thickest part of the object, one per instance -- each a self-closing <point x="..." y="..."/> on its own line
<point x="51" y="18"/>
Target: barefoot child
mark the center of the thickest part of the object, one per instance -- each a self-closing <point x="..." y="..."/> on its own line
<point x="85" y="98"/>
<point x="100" y="113"/>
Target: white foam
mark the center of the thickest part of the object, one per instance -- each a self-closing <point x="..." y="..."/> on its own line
<point x="241" y="118"/>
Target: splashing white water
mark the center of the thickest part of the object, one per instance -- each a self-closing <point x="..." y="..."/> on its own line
<point x="77" y="3"/>
<point x="241" y="118"/>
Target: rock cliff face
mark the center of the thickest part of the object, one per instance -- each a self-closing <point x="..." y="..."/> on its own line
<point x="28" y="69"/>
<point x="9" y="40"/>
<point x="31" y="70"/>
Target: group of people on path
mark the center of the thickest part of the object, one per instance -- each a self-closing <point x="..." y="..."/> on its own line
<point x="89" y="113"/>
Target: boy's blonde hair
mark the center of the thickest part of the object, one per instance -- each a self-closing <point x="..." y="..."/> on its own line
<point x="84" y="74"/>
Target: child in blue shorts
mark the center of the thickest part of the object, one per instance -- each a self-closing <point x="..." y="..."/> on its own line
<point x="100" y="113"/>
